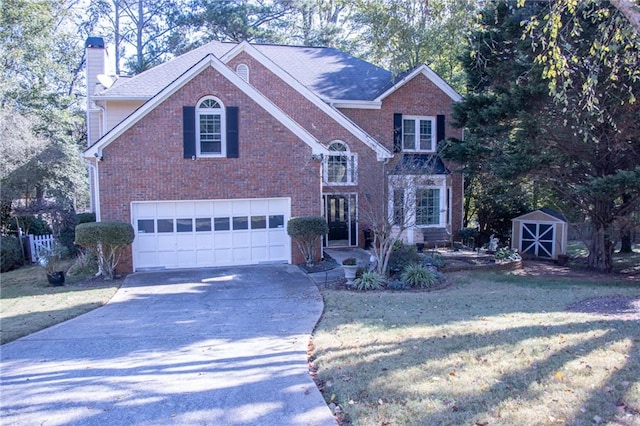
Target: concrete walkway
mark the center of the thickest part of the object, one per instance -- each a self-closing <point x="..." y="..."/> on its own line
<point x="222" y="346"/>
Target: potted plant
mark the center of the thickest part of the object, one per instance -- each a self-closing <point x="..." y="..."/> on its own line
<point x="50" y="261"/>
<point x="350" y="265"/>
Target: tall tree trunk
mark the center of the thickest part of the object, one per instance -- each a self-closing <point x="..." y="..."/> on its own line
<point x="601" y="249"/>
<point x="625" y="240"/>
<point x="116" y="6"/>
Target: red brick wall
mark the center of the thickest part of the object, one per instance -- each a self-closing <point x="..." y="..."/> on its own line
<point x="417" y="97"/>
<point x="146" y="162"/>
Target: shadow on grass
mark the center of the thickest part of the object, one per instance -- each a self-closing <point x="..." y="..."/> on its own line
<point x="521" y="322"/>
<point x="17" y="326"/>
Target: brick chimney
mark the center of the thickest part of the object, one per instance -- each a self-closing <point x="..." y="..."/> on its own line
<point x="96" y="55"/>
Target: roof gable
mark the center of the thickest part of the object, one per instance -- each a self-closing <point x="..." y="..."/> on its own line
<point x="407" y="76"/>
<point x="207" y="61"/>
<point x="552" y="215"/>
<point x="381" y="152"/>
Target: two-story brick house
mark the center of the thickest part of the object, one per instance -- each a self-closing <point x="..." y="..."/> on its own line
<point x="209" y="154"/>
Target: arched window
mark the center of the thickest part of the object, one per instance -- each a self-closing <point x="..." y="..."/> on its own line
<point x="340" y="165"/>
<point x="243" y="71"/>
<point x="210" y="116"/>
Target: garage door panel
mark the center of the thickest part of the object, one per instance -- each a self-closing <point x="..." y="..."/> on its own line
<point x="185" y="209"/>
<point x="166" y="210"/>
<point x="203" y="208"/>
<point x="241" y="255"/>
<point x="145" y="210"/>
<point x="167" y="259"/>
<point x="186" y="242"/>
<point x="204" y="241"/>
<point x="204" y="257"/>
<point x="260" y="253"/>
<point x="187" y="259"/>
<point x="277" y="252"/>
<point x="259" y="238"/>
<point x="222" y="240"/>
<point x="241" y="239"/>
<point x="146" y="242"/>
<point x="222" y="257"/>
<point x="182" y="234"/>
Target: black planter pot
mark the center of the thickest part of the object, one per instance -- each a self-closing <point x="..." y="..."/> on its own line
<point x="56" y="278"/>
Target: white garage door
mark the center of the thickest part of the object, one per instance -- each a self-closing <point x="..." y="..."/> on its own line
<point x="188" y="234"/>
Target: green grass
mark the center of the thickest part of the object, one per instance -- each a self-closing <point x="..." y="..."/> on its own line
<point x="28" y="303"/>
<point x="493" y="348"/>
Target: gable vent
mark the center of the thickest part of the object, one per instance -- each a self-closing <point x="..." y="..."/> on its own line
<point x="243" y="71"/>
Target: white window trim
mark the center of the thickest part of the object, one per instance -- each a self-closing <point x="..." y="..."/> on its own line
<point x="417" y="119"/>
<point x="352" y="167"/>
<point x="411" y="184"/>
<point x="223" y="128"/>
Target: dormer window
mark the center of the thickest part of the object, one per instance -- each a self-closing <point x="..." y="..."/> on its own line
<point x="243" y="71"/>
<point x="340" y="165"/>
<point x="210" y="115"/>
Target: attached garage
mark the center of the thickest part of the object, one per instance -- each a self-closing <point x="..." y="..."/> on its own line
<point x="540" y="233"/>
<point x="188" y="234"/>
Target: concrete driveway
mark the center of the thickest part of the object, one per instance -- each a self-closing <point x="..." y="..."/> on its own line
<point x="224" y="346"/>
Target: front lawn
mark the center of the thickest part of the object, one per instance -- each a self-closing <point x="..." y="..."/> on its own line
<point x="28" y="303"/>
<point x="492" y="349"/>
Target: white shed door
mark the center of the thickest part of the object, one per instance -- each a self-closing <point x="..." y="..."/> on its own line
<point x="188" y="234"/>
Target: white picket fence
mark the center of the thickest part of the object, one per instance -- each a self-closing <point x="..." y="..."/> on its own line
<point x="40" y="245"/>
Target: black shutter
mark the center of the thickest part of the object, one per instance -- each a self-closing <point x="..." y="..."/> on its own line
<point x="232" y="133"/>
<point x="440" y="133"/>
<point x="397" y="132"/>
<point x="189" y="131"/>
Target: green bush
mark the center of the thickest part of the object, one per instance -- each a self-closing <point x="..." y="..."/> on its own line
<point x="398" y="285"/>
<point x="434" y="259"/>
<point x="469" y="236"/>
<point x="369" y="281"/>
<point x="419" y="276"/>
<point x="106" y="239"/>
<point x="306" y="231"/>
<point x="30" y="225"/>
<point x="10" y="253"/>
<point x="85" y="263"/>
<point x="86" y="217"/>
<point x="402" y="256"/>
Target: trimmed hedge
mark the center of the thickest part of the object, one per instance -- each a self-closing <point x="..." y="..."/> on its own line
<point x="115" y="234"/>
<point x="106" y="239"/>
<point x="307" y="226"/>
<point x="306" y="232"/>
<point x="10" y="253"/>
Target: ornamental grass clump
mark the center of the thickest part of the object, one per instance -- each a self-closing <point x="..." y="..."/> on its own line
<point x="369" y="281"/>
<point x="419" y="276"/>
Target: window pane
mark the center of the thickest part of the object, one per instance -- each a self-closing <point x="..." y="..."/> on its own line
<point x="409" y="134"/>
<point x="184" y="225"/>
<point x="428" y="207"/>
<point x="398" y="207"/>
<point x="276" y="221"/>
<point x="146" y="226"/>
<point x="210" y="134"/>
<point x="221" y="223"/>
<point x="240" y="222"/>
<point x="203" y="224"/>
<point x="165" y="225"/>
<point x="209" y="103"/>
<point x="258" y="222"/>
<point x="425" y="135"/>
<point x="337" y="169"/>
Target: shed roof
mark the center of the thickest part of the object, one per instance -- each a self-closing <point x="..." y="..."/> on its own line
<point x="552" y="214"/>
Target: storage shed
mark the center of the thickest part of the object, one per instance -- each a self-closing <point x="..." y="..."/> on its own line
<point x="541" y="233"/>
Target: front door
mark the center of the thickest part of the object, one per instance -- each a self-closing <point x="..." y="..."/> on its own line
<point x="340" y="211"/>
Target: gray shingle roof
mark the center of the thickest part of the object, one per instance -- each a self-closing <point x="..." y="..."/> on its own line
<point x="328" y="72"/>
